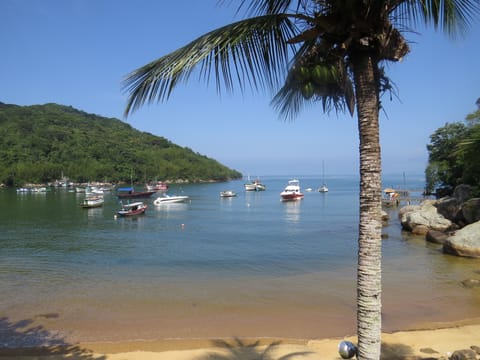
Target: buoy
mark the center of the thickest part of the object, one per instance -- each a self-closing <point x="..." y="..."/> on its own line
<point x="346" y="349"/>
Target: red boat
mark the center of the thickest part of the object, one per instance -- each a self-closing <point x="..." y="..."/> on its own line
<point x="292" y="191"/>
<point x="136" y="208"/>
<point x="158" y="186"/>
<point x="130" y="193"/>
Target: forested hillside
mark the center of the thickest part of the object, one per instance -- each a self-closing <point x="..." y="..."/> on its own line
<point x="453" y="155"/>
<point x="39" y="143"/>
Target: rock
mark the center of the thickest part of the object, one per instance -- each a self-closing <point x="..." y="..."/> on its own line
<point x="419" y="229"/>
<point x="428" y="351"/>
<point x="464" y="242"/>
<point x="385" y="216"/>
<point x="471" y="283"/>
<point x="471" y="210"/>
<point x="466" y="354"/>
<point x="476" y="349"/>
<point x="462" y="193"/>
<point x="448" y="207"/>
<point x="406" y="209"/>
<point x="420" y="219"/>
<point x="436" y="237"/>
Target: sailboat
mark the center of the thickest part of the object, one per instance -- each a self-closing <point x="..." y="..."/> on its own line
<point x="323" y="188"/>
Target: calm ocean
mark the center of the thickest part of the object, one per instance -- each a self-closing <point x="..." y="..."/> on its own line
<point x="245" y="266"/>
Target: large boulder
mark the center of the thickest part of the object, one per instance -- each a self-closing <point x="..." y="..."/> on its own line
<point x="464" y="242"/>
<point x="448" y="207"/>
<point x="462" y="193"/>
<point x="471" y="210"/>
<point x="422" y="218"/>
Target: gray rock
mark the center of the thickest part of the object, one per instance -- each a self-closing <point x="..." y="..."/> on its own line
<point x="466" y="354"/>
<point x="471" y="283"/>
<point x="476" y="349"/>
<point x="448" y="207"/>
<point x="471" y="210"/>
<point x="464" y="242"/>
<point x="436" y="237"/>
<point x="462" y="193"/>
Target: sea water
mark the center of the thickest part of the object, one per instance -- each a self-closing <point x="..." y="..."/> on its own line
<point x="251" y="265"/>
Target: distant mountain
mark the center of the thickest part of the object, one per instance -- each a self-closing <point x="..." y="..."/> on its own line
<point x="39" y="143"/>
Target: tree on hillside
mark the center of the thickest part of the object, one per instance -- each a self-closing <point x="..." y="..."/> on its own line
<point x="445" y="167"/>
<point x="308" y="51"/>
<point x="453" y="156"/>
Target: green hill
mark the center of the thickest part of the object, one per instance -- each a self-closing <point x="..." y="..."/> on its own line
<point x="39" y="143"/>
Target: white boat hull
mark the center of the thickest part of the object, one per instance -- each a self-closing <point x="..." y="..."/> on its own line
<point x="169" y="199"/>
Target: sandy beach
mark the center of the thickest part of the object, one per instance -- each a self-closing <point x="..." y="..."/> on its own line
<point x="435" y="343"/>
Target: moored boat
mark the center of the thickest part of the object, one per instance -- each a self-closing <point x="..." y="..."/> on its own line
<point x="158" y="186"/>
<point x="292" y="191"/>
<point x="323" y="188"/>
<point x="167" y="199"/>
<point x="92" y="202"/>
<point x="130" y="193"/>
<point x="228" y="193"/>
<point x="255" y="185"/>
<point x="132" y="209"/>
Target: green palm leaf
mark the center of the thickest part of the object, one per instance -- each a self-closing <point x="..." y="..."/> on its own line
<point x="252" y="51"/>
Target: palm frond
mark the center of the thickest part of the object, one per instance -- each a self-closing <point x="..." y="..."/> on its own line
<point x="454" y="17"/>
<point x="252" y="51"/>
<point x="263" y="7"/>
<point x="317" y="75"/>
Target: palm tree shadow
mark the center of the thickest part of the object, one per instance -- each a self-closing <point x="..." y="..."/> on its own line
<point x="237" y="349"/>
<point x="400" y="352"/>
<point x="24" y="338"/>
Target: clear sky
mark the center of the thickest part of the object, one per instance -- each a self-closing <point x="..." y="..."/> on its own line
<point x="77" y="52"/>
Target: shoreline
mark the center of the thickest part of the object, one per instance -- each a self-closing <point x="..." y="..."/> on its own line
<point x="438" y="340"/>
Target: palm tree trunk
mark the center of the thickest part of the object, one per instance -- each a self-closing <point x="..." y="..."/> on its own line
<point x="369" y="287"/>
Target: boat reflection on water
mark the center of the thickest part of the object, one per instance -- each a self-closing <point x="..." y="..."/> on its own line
<point x="292" y="211"/>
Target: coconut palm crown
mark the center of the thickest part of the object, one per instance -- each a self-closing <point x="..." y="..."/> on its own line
<point x="315" y="51"/>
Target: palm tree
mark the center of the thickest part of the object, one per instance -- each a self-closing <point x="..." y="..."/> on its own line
<point x="315" y="51"/>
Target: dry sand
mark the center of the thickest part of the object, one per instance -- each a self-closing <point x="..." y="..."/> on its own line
<point x="427" y="344"/>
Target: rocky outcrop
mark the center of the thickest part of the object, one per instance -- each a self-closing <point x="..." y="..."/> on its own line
<point x="464" y="242"/>
<point x="471" y="210"/>
<point x="419" y="219"/>
<point x="452" y="221"/>
<point x="460" y="208"/>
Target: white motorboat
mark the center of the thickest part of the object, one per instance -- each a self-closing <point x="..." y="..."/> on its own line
<point x="228" y="193"/>
<point x="168" y="199"/>
<point x="292" y="191"/>
<point x="92" y="201"/>
<point x="255" y="185"/>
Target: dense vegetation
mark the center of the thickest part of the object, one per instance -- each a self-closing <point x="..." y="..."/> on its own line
<point x="454" y="155"/>
<point x="40" y="143"/>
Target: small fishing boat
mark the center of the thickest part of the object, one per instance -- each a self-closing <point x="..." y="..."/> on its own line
<point x="168" y="199"/>
<point x="92" y="202"/>
<point x="255" y="185"/>
<point x="228" y="193"/>
<point x="132" y="209"/>
<point x="158" y="186"/>
<point x="292" y="191"/>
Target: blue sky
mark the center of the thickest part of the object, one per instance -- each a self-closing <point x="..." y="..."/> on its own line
<point x="77" y="52"/>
